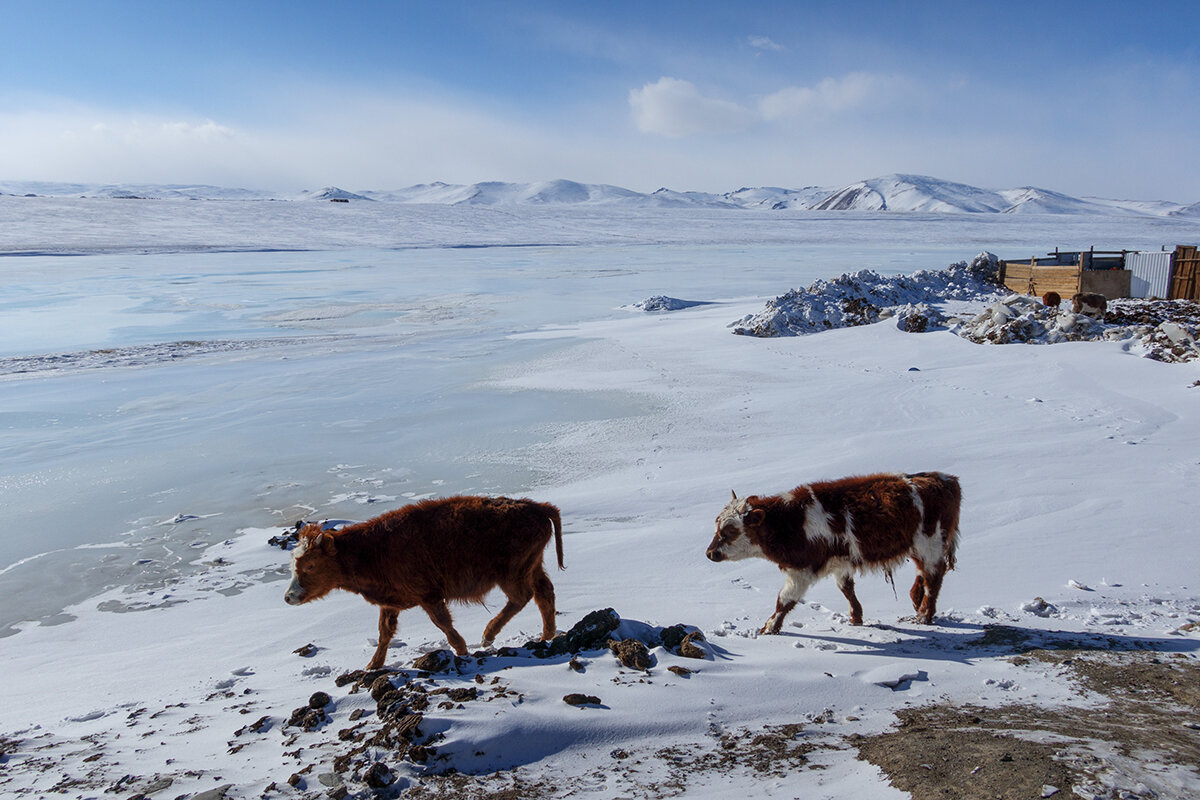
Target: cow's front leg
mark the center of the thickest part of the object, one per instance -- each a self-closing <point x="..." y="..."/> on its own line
<point x="387" y="629"/>
<point x="796" y="583"/>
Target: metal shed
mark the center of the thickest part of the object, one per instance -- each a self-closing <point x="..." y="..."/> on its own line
<point x="1151" y="274"/>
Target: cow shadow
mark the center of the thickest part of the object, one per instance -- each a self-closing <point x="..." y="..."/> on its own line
<point x="962" y="642"/>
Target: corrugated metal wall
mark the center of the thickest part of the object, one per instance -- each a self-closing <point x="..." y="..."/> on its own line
<point x="1151" y="274"/>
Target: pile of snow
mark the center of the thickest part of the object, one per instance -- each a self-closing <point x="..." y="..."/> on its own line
<point x="660" y="302"/>
<point x="1164" y="330"/>
<point x="866" y="297"/>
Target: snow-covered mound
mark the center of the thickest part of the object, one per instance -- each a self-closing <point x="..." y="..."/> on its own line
<point x="1162" y="330"/>
<point x="332" y="193"/>
<point x="912" y="193"/>
<point x="866" y="297"/>
<point x="661" y="302"/>
<point x="890" y="193"/>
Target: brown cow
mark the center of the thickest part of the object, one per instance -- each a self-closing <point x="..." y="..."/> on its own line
<point x="432" y="552"/>
<point x="1089" y="303"/>
<point x="846" y="527"/>
<point x="1051" y="299"/>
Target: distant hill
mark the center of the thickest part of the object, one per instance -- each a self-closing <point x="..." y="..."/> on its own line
<point x="890" y="193"/>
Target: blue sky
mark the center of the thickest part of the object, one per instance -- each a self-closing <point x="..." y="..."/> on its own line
<point x="1089" y="98"/>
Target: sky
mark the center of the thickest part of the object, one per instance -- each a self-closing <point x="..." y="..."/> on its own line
<point x="1088" y="98"/>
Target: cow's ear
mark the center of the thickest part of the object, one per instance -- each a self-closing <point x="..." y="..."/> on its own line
<point x="325" y="542"/>
<point x="754" y="516"/>
<point x="732" y="492"/>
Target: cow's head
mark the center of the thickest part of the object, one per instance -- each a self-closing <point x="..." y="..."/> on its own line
<point x="315" y="569"/>
<point x="733" y="541"/>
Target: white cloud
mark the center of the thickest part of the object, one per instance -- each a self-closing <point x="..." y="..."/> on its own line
<point x="831" y="94"/>
<point x="676" y="108"/>
<point x="763" y="43"/>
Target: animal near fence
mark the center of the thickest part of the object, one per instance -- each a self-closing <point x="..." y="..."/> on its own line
<point x="1184" y="283"/>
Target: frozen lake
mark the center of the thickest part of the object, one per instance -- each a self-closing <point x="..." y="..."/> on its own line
<point x="154" y="402"/>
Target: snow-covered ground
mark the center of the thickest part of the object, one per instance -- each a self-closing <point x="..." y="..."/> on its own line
<point x="531" y="371"/>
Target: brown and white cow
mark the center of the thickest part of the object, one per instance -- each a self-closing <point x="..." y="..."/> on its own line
<point x="1089" y="303"/>
<point x="433" y="552"/>
<point x="846" y="527"/>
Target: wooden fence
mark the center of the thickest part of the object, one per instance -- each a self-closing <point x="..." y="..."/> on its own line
<point x="1184" y="283"/>
<point x="1038" y="279"/>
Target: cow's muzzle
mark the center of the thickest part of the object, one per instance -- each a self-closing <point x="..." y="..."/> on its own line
<point x="715" y="555"/>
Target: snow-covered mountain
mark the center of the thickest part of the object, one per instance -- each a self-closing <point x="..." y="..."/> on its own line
<point x="890" y="193"/>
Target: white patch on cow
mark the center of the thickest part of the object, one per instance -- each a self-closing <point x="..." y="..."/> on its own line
<point x="295" y="592"/>
<point x="788" y="498"/>
<point x="732" y="514"/>
<point x="837" y="566"/>
<point x="930" y="549"/>
<point x="740" y="548"/>
<point x="817" y="523"/>
<point x="856" y="556"/>
<point x="795" y="586"/>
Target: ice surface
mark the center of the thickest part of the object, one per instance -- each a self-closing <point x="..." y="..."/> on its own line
<point x="398" y="373"/>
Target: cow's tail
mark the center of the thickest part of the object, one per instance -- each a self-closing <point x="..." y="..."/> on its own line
<point x="556" y="521"/>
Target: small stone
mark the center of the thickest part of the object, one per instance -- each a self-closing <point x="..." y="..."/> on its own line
<point x="575" y="664"/>
<point x="319" y="700"/>
<point x="576" y="699"/>
<point x="1048" y="790"/>
<point x="680" y="671"/>
<point x="688" y="647"/>
<point x="463" y="694"/>
<point x="308" y="651"/>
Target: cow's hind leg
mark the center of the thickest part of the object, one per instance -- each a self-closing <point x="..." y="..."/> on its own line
<point x="518" y="597"/>
<point x="931" y="576"/>
<point x="794" y="587"/>
<point x="543" y="595"/>
<point x="846" y="584"/>
<point x="917" y="593"/>
<point x="440" y="614"/>
<point x="387" y="629"/>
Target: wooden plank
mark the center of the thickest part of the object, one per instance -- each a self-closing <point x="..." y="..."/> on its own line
<point x="1184" y="283"/>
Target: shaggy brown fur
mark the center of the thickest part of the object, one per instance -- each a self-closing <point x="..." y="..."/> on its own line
<point x="431" y="553"/>
<point x="846" y="527"/>
<point x="1051" y="299"/>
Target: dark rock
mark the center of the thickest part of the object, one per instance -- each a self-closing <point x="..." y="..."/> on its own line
<point x="378" y="776"/>
<point x="673" y="636"/>
<point x="308" y="718"/>
<point x="319" y="700"/>
<point x="463" y="694"/>
<point x="437" y="661"/>
<point x="381" y="686"/>
<point x="575" y="664"/>
<point x="590" y="633"/>
<point x="632" y="654"/>
<point x="308" y="651"/>
<point x="213" y="794"/>
<point x="576" y="699"/>
<point x="680" y="671"/>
